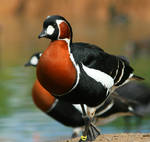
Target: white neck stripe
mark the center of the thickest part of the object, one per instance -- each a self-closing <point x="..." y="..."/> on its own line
<point x="75" y="65"/>
<point x="58" y="23"/>
<point x="53" y="105"/>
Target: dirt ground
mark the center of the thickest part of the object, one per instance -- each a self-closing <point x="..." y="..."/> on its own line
<point x="122" y="137"/>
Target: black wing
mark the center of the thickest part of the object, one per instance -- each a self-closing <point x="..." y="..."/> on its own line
<point x="94" y="57"/>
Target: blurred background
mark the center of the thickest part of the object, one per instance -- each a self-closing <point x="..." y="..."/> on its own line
<point x="119" y="27"/>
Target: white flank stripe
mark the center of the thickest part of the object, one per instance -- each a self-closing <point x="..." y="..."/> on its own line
<point x="116" y="71"/>
<point x="130" y="76"/>
<point x="78" y="107"/>
<point x="106" y="109"/>
<point x="99" y="76"/>
<point x="121" y="72"/>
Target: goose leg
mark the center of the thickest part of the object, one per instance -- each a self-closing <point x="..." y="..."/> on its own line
<point x="90" y="132"/>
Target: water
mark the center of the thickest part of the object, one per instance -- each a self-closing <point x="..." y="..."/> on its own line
<point x="20" y="120"/>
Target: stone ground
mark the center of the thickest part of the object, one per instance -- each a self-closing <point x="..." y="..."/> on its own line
<point x="122" y="137"/>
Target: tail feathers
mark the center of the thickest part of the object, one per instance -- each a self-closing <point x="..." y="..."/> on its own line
<point x="125" y="103"/>
<point x="132" y="105"/>
<point x="135" y="77"/>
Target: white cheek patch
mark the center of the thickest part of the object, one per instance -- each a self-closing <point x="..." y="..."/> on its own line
<point x="99" y="76"/>
<point x="34" y="61"/>
<point x="50" y="30"/>
<point x="40" y="54"/>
